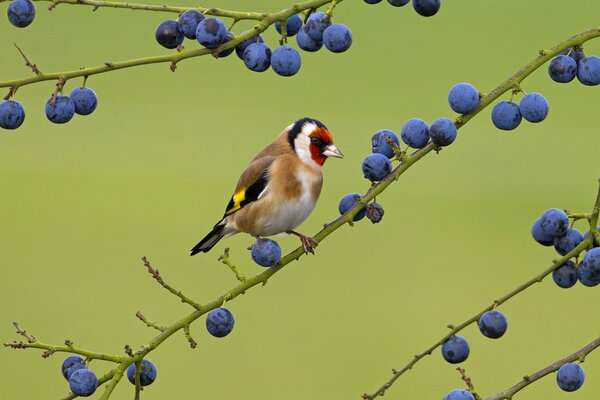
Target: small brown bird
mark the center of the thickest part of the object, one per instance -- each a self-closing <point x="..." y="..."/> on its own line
<point x="279" y="188"/>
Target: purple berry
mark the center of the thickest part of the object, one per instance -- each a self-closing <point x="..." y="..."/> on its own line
<point x="62" y="111"/>
<point x="455" y="350"/>
<point x="380" y="144"/>
<point x="376" y="166"/>
<point x="554" y="222"/>
<point x="374" y="212"/>
<point x="147" y="373"/>
<point x="540" y="236"/>
<point x="211" y="33"/>
<point x="398" y="3"/>
<point x="72" y="364"/>
<point x="443" y="132"/>
<point x="565" y="276"/>
<point x="83" y="382"/>
<point x="306" y="43"/>
<point x="337" y="38"/>
<point x="292" y="25"/>
<point x="459" y="394"/>
<point x="493" y="324"/>
<point x="266" y="252"/>
<point x="285" y="61"/>
<point x="506" y="115"/>
<point x="240" y="48"/>
<point x="85" y="100"/>
<point x="534" y="107"/>
<point x="589" y="268"/>
<point x="566" y="243"/>
<point x="168" y="34"/>
<point x="188" y="22"/>
<point x="426" y="8"/>
<point x="415" y="133"/>
<point x="257" y="57"/>
<point x="220" y="322"/>
<point x="21" y="13"/>
<point x="316" y="25"/>
<point x="463" y="98"/>
<point x="347" y="202"/>
<point x="12" y="114"/>
<point x="588" y="71"/>
<point x="570" y="377"/>
<point x="562" y="69"/>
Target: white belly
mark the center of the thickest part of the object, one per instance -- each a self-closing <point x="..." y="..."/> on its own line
<point x="289" y="215"/>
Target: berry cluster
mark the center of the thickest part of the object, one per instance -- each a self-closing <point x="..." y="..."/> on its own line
<point x="572" y="62"/>
<point x="256" y="55"/>
<point x="426" y="8"/>
<point x="552" y="229"/>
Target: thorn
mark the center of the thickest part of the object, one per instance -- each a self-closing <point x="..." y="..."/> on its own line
<point x="173" y="66"/>
<point x="109" y="64"/>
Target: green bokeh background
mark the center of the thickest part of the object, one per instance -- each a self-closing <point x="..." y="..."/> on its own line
<point x="150" y="171"/>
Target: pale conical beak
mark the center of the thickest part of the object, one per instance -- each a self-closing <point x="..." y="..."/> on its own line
<point x="332" y="151"/>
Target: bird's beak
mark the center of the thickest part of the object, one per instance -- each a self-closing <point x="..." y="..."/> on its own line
<point x="332" y="151"/>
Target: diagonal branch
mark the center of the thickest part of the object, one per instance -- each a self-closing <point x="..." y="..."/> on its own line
<point x="156" y="275"/>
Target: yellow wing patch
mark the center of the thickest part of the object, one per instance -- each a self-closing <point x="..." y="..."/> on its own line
<point x="236" y="201"/>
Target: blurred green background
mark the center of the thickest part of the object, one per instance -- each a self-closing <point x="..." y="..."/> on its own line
<point x="151" y="170"/>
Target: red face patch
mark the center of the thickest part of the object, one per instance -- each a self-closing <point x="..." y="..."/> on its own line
<point x="324" y="138"/>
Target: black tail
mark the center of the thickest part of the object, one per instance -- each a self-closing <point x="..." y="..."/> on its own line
<point x="209" y="240"/>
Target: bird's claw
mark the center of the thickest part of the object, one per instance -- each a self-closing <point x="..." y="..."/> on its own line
<point x="308" y="244"/>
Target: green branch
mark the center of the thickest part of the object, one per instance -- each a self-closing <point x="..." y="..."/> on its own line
<point x="265" y="20"/>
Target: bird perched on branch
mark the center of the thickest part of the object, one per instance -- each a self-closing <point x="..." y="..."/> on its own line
<point x="279" y="188"/>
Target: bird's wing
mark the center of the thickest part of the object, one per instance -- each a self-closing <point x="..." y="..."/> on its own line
<point x="251" y="185"/>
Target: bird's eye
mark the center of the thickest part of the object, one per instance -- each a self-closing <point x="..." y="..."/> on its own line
<point x="316" y="140"/>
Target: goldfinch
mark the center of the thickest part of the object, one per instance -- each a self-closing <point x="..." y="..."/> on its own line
<point x="279" y="188"/>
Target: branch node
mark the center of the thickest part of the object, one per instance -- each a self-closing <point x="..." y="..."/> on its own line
<point x="128" y="350"/>
<point x="30" y="338"/>
<point x="33" y="67"/>
<point x="188" y="336"/>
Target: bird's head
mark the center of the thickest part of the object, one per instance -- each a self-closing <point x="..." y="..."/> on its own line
<point x="311" y="140"/>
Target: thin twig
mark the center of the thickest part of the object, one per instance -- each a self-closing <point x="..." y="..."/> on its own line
<point x="225" y="260"/>
<point x="33" y="67"/>
<point x="156" y="275"/>
<point x="149" y="323"/>
<point x="188" y="336"/>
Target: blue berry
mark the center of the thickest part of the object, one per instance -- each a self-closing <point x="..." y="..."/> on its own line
<point x="147" y="373"/>
<point x="266" y="252"/>
<point x="443" y="132"/>
<point x="570" y="377"/>
<point x="534" y="107"/>
<point x="372" y="1"/>
<point x="219" y="322"/>
<point x="565" y="276"/>
<point x="306" y="43"/>
<point x="540" y="236"/>
<point x="585" y="236"/>
<point x="285" y="61"/>
<point x="493" y="324"/>
<point x="257" y="57"/>
<point x="459" y="394"/>
<point x="506" y="115"/>
<point x="227" y="52"/>
<point x="455" y="350"/>
<point x="62" y="111"/>
<point x="463" y="98"/>
<point x="576" y="55"/>
<point x="375" y="212"/>
<point x="376" y="166"/>
<point x="21" y="13"/>
<point x="316" y="25"/>
<point x="85" y="100"/>
<point x="240" y="48"/>
<point x="83" y="382"/>
<point x="211" y="33"/>
<point x="380" y="144"/>
<point x="589" y="268"/>
<point x="562" y="69"/>
<point x="292" y="25"/>
<point x="398" y="3"/>
<point x="554" y="222"/>
<point x="426" y="8"/>
<point x="168" y="34"/>
<point x="72" y="364"/>
<point x="588" y="71"/>
<point x="337" y="38"/>
<point x="415" y="133"/>
<point x="347" y="202"/>
<point x="188" y="23"/>
<point x="571" y="239"/>
<point x="12" y="114"/>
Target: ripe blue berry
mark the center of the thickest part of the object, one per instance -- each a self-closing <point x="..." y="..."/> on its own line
<point x="398" y="3"/>
<point x="240" y="48"/>
<point x="459" y="394"/>
<point x="506" y="115"/>
<point x="347" y="202"/>
<point x="62" y="111"/>
<point x="376" y="166"/>
<point x="372" y="1"/>
<point x="493" y="324"/>
<point x="147" y="373"/>
<point x="534" y="107"/>
<point x="168" y="34"/>
<point x="463" y="98"/>
<point x="316" y="25"/>
<point x="188" y="23"/>
<point x="455" y="350"/>
<point x="21" y="13"/>
<point x="570" y="377"/>
<point x="380" y="144"/>
<point x="576" y="55"/>
<point x="443" y="132"/>
<point x="219" y="322"/>
<point x="72" y="364"/>
<point x="257" y="57"/>
<point x="306" y="43"/>
<point x="374" y="212"/>
<point x="585" y="236"/>
<point x="337" y="38"/>
<point x="562" y="69"/>
<point x="292" y="25"/>
<point x="565" y="276"/>
<point x="564" y="244"/>
<point x="415" y="133"/>
<point x="266" y="252"/>
<point x="211" y="33"/>
<point x="85" y="100"/>
<point x="540" y="236"/>
<point x="285" y="61"/>
<point x="12" y="114"/>
<point x="554" y="222"/>
<point x="588" y="71"/>
<point x="83" y="382"/>
<point x="226" y="52"/>
<point x="426" y="8"/>
<point x="589" y="268"/>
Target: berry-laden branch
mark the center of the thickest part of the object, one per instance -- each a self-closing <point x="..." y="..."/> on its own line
<point x="265" y="20"/>
<point x="113" y="377"/>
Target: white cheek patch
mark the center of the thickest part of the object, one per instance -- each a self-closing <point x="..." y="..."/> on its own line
<point x="302" y="145"/>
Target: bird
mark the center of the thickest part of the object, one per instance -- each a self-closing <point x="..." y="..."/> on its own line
<point x="279" y="187"/>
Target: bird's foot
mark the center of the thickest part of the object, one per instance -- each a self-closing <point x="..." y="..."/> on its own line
<point x="308" y="243"/>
